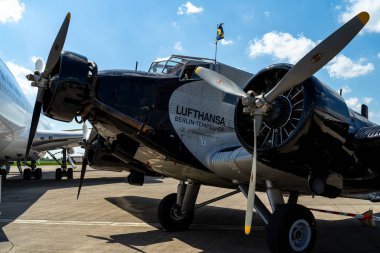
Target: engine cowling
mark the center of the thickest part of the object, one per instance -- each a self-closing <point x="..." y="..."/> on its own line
<point x="309" y="110"/>
<point x="69" y="87"/>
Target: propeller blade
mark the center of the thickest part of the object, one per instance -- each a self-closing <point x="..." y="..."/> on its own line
<point x="55" y="51"/>
<point x="82" y="173"/>
<point x="39" y="65"/>
<point x="319" y="56"/>
<point x="35" y="120"/>
<point x="219" y="82"/>
<point x="257" y="121"/>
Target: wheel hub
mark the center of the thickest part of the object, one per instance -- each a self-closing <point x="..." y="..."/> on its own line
<point x="176" y="213"/>
<point x="300" y="235"/>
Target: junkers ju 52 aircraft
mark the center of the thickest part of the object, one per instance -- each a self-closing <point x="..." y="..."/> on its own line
<point x="200" y="121"/>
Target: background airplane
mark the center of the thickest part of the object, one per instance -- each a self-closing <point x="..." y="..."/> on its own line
<point x="15" y="118"/>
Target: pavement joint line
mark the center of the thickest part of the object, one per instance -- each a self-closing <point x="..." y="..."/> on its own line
<point x="121" y="224"/>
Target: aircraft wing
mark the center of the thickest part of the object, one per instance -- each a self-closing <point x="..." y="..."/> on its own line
<point x="53" y="139"/>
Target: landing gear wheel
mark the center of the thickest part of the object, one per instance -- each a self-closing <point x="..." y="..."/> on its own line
<point x="27" y="175"/>
<point x="58" y="174"/>
<point x="3" y="174"/>
<point x="170" y="216"/>
<point x="292" y="229"/>
<point x="38" y="173"/>
<point x="70" y="173"/>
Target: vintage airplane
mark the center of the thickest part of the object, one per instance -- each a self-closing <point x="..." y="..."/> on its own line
<point x="15" y="119"/>
<point x="199" y="121"/>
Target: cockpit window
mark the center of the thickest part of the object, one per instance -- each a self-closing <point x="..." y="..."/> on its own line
<point x="171" y="66"/>
<point x="181" y="66"/>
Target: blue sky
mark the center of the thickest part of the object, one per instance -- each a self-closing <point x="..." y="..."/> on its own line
<point x="116" y="34"/>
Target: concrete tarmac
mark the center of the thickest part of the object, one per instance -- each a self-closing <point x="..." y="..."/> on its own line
<point x="112" y="216"/>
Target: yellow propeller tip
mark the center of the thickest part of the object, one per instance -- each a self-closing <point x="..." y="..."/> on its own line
<point x="197" y="70"/>
<point x="247" y="230"/>
<point x="363" y="17"/>
<point x="68" y="15"/>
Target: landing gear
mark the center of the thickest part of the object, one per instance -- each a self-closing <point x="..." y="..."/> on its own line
<point x="70" y="173"/>
<point x="38" y="173"/>
<point x="58" y="174"/>
<point x="63" y="171"/>
<point x="30" y="172"/>
<point x="176" y="211"/>
<point x="3" y="173"/>
<point x="27" y="175"/>
<point x="4" y="170"/>
<point x="170" y="216"/>
<point x="292" y="228"/>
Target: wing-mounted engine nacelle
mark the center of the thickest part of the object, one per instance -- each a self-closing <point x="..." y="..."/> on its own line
<point x="68" y="88"/>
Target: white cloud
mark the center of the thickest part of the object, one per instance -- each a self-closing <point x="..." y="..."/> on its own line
<point x="367" y="100"/>
<point x="267" y="13"/>
<point x="374" y="116"/>
<point x="189" y="8"/>
<point x="378" y="55"/>
<point x="178" y="46"/>
<point x="226" y="42"/>
<point x="283" y="46"/>
<point x="19" y="73"/>
<point x="355" y="103"/>
<point x="354" y="7"/>
<point x="11" y="11"/>
<point x="343" y="67"/>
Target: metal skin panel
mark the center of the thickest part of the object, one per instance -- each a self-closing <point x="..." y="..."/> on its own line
<point x="187" y="130"/>
<point x="203" y="122"/>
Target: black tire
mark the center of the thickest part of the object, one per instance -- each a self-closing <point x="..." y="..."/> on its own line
<point x="170" y="217"/>
<point x="70" y="173"/>
<point x="3" y="173"/>
<point x="27" y="174"/>
<point x="288" y="222"/>
<point x="38" y="173"/>
<point x="58" y="174"/>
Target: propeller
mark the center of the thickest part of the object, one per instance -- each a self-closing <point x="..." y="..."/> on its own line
<point x="41" y="79"/>
<point x="258" y="105"/>
<point x="87" y="146"/>
<point x="39" y="65"/>
<point x="82" y="172"/>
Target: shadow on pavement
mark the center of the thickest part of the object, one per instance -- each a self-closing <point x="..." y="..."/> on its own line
<point x="334" y="236"/>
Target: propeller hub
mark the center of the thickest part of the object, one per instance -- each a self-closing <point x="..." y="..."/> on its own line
<point x="279" y="112"/>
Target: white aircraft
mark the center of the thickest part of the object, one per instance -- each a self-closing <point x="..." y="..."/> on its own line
<point x="15" y="120"/>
